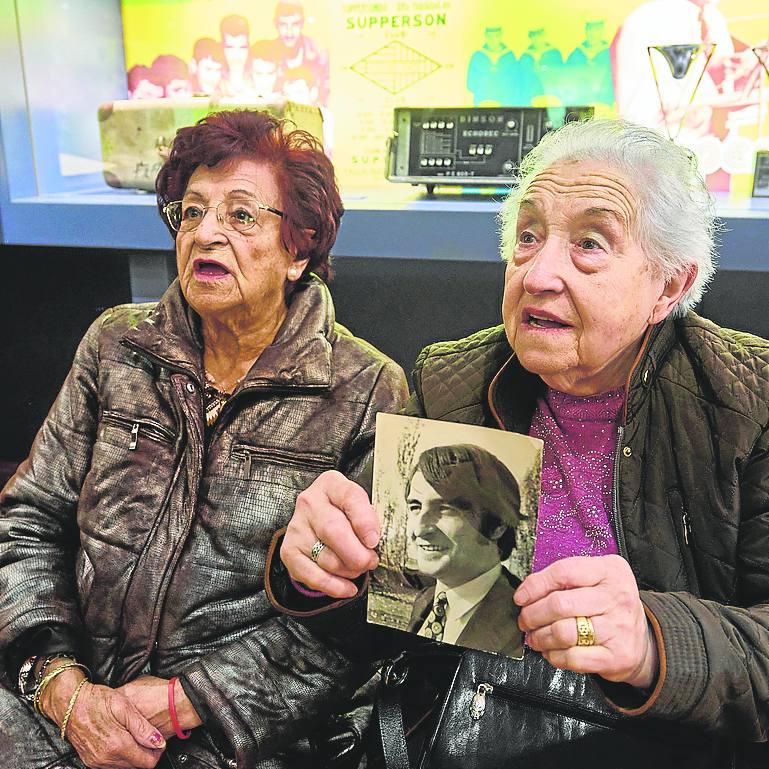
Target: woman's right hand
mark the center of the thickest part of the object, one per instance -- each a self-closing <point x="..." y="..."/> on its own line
<point x="105" y="728"/>
<point x="337" y="512"/>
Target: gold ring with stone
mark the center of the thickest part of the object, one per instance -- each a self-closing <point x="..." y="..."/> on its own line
<point x="316" y="550"/>
<point x="585" y="632"/>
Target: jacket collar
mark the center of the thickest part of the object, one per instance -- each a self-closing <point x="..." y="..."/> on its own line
<point x="514" y="414"/>
<point x="513" y="378"/>
<point x="299" y="356"/>
<point x="655" y="348"/>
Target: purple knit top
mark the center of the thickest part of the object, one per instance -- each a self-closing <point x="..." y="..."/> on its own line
<point x="580" y="437"/>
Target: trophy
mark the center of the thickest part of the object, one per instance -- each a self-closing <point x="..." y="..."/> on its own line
<point x="680" y="59"/>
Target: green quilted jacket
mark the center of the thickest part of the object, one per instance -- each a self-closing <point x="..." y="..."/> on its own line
<point x="691" y="499"/>
<point x="691" y="515"/>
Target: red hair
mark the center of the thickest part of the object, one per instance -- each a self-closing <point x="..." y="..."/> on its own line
<point x="311" y="203"/>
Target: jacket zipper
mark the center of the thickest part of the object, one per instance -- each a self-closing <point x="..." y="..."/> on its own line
<point x="687" y="527"/>
<point x="686" y="530"/>
<point x="276" y="456"/>
<point x="196" y="444"/>
<point x="616" y="519"/>
<point x="684" y="540"/>
<point x="253" y="387"/>
<point x="146" y="427"/>
<point x="619" y="531"/>
<point x="545" y="702"/>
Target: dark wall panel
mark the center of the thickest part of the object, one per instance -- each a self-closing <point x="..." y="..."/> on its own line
<point x="48" y="298"/>
<point x="401" y="305"/>
<point x="738" y="300"/>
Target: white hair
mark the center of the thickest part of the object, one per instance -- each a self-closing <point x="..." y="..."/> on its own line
<point x="675" y="221"/>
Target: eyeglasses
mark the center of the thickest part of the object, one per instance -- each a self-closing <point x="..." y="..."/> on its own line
<point x="238" y="215"/>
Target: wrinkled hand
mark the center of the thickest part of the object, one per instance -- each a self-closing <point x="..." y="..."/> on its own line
<point x="105" y="728"/>
<point x="603" y="589"/>
<point x="150" y="696"/>
<point x="336" y="511"/>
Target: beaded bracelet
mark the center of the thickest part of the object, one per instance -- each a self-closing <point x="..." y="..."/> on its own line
<point x="50" y="676"/>
<point x="71" y="707"/>
<point x="48" y="660"/>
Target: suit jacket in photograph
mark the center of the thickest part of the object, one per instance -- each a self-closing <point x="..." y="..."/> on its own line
<point x="493" y="626"/>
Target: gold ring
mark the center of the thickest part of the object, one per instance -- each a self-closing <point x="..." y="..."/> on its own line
<point x="316" y="550"/>
<point x="585" y="632"/>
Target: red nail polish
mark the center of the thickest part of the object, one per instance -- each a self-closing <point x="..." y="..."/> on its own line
<point x="156" y="738"/>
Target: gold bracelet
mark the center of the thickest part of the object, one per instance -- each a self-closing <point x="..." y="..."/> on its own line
<point x="50" y="676"/>
<point x="71" y="707"/>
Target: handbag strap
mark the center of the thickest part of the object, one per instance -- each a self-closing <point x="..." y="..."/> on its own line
<point x="389" y="701"/>
<point x="390" y="717"/>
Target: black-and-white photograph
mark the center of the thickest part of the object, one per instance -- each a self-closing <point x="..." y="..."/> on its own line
<point x="458" y="505"/>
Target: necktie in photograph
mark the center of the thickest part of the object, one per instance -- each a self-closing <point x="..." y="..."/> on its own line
<point x="436" y="619"/>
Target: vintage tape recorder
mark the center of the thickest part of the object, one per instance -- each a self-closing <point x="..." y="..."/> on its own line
<point x="468" y="146"/>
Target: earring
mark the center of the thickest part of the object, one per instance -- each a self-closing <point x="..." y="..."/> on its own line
<point x="293" y="273"/>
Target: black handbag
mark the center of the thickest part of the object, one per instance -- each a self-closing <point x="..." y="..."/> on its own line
<point x="464" y="709"/>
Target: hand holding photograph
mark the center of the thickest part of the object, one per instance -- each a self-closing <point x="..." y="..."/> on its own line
<point x="458" y="505"/>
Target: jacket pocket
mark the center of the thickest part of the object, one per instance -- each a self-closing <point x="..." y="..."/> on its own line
<point x="544" y="701"/>
<point x="138" y="428"/>
<point x="685" y="538"/>
<point x="252" y="456"/>
<point x="132" y="466"/>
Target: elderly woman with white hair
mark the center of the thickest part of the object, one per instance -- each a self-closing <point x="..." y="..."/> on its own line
<point x="647" y="610"/>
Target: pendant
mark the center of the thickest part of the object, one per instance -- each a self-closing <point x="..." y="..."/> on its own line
<point x="213" y="409"/>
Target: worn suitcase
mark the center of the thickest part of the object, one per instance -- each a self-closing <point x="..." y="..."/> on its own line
<point x="137" y="134"/>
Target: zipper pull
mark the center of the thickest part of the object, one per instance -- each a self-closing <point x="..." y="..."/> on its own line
<point x="247" y="465"/>
<point x="478" y="703"/>
<point x="134" y="436"/>
<point x="687" y="527"/>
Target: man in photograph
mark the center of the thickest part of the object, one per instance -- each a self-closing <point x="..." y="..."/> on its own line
<point x="207" y="67"/>
<point x="298" y="50"/>
<point x="265" y="70"/>
<point x="234" y="31"/>
<point x="464" y="509"/>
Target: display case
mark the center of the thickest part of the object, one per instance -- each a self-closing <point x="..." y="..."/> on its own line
<point x="62" y="59"/>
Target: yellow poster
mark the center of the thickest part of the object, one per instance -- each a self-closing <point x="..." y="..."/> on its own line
<point x="691" y="68"/>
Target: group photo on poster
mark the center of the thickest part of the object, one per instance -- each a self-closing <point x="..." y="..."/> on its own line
<point x="238" y="60"/>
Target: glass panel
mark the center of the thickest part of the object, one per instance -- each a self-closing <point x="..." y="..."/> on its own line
<point x="73" y="60"/>
<point x="358" y="62"/>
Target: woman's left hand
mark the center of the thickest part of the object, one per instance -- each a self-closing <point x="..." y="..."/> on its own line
<point x="604" y="590"/>
<point x="150" y="696"/>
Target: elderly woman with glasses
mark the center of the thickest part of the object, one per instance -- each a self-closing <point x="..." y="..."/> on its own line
<point x="134" y="626"/>
<point x="647" y="610"/>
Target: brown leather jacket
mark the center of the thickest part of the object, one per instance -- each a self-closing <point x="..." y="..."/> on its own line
<point x="146" y="536"/>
